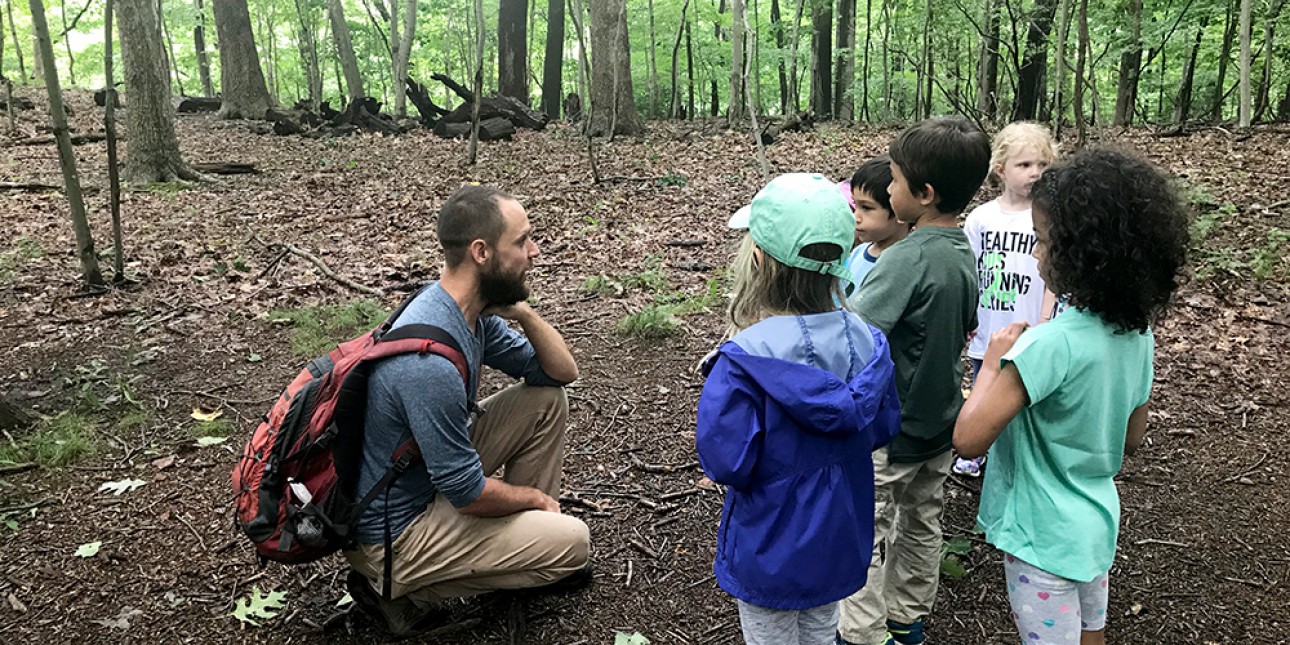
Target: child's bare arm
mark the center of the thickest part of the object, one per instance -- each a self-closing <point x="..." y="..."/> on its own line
<point x="998" y="396"/>
<point x="1137" y="429"/>
<point x="1049" y="304"/>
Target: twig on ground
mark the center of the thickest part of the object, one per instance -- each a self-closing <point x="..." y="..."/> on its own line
<point x="639" y="545"/>
<point x="661" y="468"/>
<point x="1249" y="471"/>
<point x="322" y="266"/>
<point x="585" y="503"/>
<point x="26" y="507"/>
<point x="1162" y="542"/>
<point x="18" y="468"/>
<point x="679" y="494"/>
<point x="628" y="583"/>
<point x="200" y="541"/>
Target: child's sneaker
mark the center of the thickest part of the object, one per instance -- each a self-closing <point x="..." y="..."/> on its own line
<point x="838" y="640"/>
<point x="907" y="634"/>
<point x="968" y="467"/>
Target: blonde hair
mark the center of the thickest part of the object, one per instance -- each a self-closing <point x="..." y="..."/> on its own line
<point x="768" y="288"/>
<point x="1016" y="137"/>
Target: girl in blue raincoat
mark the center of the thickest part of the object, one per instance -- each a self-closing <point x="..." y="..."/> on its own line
<point x="793" y="406"/>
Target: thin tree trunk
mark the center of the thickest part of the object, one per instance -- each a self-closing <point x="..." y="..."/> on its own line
<point x="886" y="65"/>
<point x="67" y="43"/>
<point x="309" y="55"/>
<point x="1263" y="100"/>
<point x="987" y="100"/>
<point x="822" y="75"/>
<point x="1126" y="94"/>
<point x="1066" y="8"/>
<point x="926" y="70"/>
<point x="66" y="156"/>
<point x="1081" y="64"/>
<point x="17" y="44"/>
<point x="793" y="81"/>
<point x="579" y="16"/>
<point x="1030" y="76"/>
<point x="170" y="55"/>
<point x="109" y="129"/>
<point x="653" y="65"/>
<point x="714" y="93"/>
<point x="843" y="105"/>
<point x="675" y="102"/>
<point x="1224" y="58"/>
<point x="752" y="115"/>
<point x="777" y="25"/>
<point x="689" y="70"/>
<point x="402" y="56"/>
<point x="344" y="49"/>
<point x="1182" y="101"/>
<point x="199" y="43"/>
<point x="553" y="62"/>
<point x="512" y="59"/>
<point x="864" y="78"/>
<point x="473" y="150"/>
<point x="735" y="106"/>
<point x="1247" y="7"/>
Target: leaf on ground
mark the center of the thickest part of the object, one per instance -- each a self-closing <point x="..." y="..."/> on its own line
<point x="202" y="413"/>
<point x="254" y="358"/>
<point x="122" y="620"/>
<point x="88" y="550"/>
<point x="345" y="600"/>
<point x="952" y="567"/>
<point x="122" y="486"/>
<point x="210" y="441"/>
<point x="16" y="604"/>
<point x="164" y="462"/>
<point x="258" y="606"/>
<point x="634" y="638"/>
<point x="958" y="544"/>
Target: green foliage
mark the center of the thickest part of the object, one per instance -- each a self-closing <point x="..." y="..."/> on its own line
<point x="25" y="249"/>
<point x="1270" y="258"/>
<point x="54" y="443"/>
<point x="673" y="179"/>
<point x="650" y="279"/>
<point x="953" y="551"/>
<point x="257" y="606"/>
<point x="652" y="322"/>
<point x="600" y="285"/>
<point x="220" y="427"/>
<point x="316" y="330"/>
<point x="634" y="638"/>
<point x="683" y="304"/>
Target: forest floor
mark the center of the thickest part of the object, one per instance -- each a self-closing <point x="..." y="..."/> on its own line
<point x="221" y="322"/>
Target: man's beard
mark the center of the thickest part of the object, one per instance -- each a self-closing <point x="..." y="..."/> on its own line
<point x="499" y="289"/>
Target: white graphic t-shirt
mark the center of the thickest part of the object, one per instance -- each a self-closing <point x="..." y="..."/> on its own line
<point x="1011" y="289"/>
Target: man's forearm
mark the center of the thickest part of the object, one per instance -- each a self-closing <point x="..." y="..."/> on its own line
<point x="552" y="352"/>
<point x="500" y="498"/>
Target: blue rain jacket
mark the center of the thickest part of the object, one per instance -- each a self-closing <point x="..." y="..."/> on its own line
<point x="793" y="443"/>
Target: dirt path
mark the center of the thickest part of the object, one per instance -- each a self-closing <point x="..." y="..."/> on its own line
<point x="1203" y="555"/>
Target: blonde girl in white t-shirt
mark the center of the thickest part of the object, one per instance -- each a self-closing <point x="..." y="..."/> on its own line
<point x="1002" y="236"/>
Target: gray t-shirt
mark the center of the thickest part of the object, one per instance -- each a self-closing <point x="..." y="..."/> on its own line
<point x="422" y="396"/>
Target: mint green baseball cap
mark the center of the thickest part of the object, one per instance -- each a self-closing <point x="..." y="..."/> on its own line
<point x="796" y="210"/>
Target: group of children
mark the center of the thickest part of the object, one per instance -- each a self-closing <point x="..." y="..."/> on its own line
<point x="832" y="427"/>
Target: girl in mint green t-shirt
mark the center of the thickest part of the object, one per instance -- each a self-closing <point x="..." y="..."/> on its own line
<point x="1058" y="406"/>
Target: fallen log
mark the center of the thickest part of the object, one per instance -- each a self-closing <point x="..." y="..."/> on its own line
<point x="797" y="122"/>
<point x="100" y="98"/>
<point x="225" y="168"/>
<point x="195" y="104"/>
<point x="284" y="123"/>
<point x="19" y="103"/>
<point x="492" y="129"/>
<point x="492" y="106"/>
<point x="430" y="113"/>
<point x="27" y="185"/>
<point x="77" y="139"/>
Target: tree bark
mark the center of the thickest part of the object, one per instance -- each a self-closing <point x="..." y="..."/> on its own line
<point x="689" y="70"/>
<point x="67" y="43"/>
<point x="926" y="70"/>
<point x="735" y="103"/>
<point x="653" y="65"/>
<point x="987" y="98"/>
<point x="153" y="153"/>
<point x="402" y="54"/>
<point x="613" y="110"/>
<point x="674" y="106"/>
<point x="1182" y="101"/>
<point x="1245" y="115"/>
<point x="199" y="44"/>
<point x="822" y="75"/>
<point x="1031" y="75"/>
<point x="1224" y="60"/>
<point x="843" y="106"/>
<point x="66" y="156"/>
<point x="1263" y="99"/>
<point x="1066" y="9"/>
<point x="714" y="93"/>
<point x="345" y="50"/>
<point x="553" y="62"/>
<point x="109" y="129"/>
<point x="793" y="82"/>
<point x="308" y="46"/>
<point x="17" y="44"/>
<point x="512" y="57"/>
<point x="242" y="83"/>
<point x="472" y="150"/>
<point x="1126" y="94"/>
<point x="1081" y="65"/>
<point x="777" y="26"/>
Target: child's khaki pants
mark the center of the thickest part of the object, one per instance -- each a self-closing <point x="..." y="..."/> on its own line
<point x="445" y="554"/>
<point x="905" y="568"/>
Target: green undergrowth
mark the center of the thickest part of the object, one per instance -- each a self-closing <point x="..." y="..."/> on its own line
<point x="56" y="442"/>
<point x="25" y="249"/>
<point x="316" y="330"/>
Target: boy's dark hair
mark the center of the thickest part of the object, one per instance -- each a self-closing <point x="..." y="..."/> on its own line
<point x="472" y="213"/>
<point x="873" y="177"/>
<point x="951" y="154"/>
<point x="1117" y="235"/>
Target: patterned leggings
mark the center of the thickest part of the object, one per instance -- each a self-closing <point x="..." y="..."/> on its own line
<point x="1051" y="610"/>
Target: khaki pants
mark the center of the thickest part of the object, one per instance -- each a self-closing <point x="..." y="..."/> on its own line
<point x="445" y="554"/>
<point x="905" y="568"/>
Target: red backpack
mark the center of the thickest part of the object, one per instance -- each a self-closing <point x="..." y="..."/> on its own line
<point x="296" y="482"/>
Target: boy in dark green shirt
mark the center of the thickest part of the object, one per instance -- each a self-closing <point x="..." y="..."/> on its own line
<point x="922" y="295"/>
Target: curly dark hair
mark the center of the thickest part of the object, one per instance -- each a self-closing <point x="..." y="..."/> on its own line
<point x="1116" y="235"/>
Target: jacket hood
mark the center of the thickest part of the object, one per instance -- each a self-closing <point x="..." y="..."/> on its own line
<point x="818" y="400"/>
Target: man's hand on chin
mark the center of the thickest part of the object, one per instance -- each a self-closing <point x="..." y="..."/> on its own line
<point x="509" y="312"/>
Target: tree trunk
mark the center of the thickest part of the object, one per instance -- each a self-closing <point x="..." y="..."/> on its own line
<point x="987" y="98"/>
<point x="199" y="43"/>
<point x="309" y="54"/>
<point x="653" y="65"/>
<point x="777" y="26"/>
<point x="864" y="80"/>
<point x="1126" y="94"/>
<point x="843" y="106"/>
<point x="1031" y="75"/>
<point x="886" y="50"/>
<point x="512" y="59"/>
<point x="1263" y="99"/>
<point x="1224" y="58"/>
<point x="109" y="130"/>
<point x="735" y="104"/>
<point x="1247" y="7"/>
<point x="1081" y="66"/>
<point x="17" y="44"/>
<point x="345" y="50"/>
<point x="613" y="107"/>
<point x="241" y="80"/>
<point x="822" y="75"/>
<point x="793" y="82"/>
<point x="67" y="44"/>
<point x="1182" y="101"/>
<point x="1066" y="9"/>
<point x="689" y="70"/>
<point x="1283" y="108"/>
<point x="66" y="156"/>
<point x="403" y="52"/>
<point x="714" y="92"/>
<point x="473" y="149"/>
<point x="553" y="62"/>
<point x="925" y="70"/>
<point x="674" y="106"/>
<point x="153" y="153"/>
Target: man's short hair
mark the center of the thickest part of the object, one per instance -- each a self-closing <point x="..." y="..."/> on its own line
<point x="951" y="154"/>
<point x="472" y="213"/>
